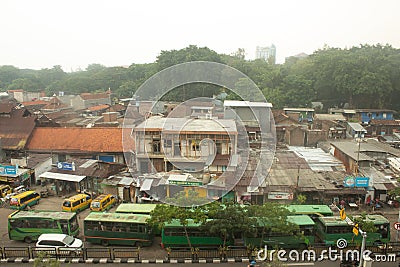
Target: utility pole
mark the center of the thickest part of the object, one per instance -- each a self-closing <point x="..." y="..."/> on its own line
<point x="359" y="231"/>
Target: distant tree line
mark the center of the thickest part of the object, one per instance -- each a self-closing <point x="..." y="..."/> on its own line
<point x="367" y="76"/>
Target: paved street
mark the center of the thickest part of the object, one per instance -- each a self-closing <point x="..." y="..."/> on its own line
<point x="151" y="253"/>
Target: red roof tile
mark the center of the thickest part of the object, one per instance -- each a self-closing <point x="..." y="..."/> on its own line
<point x="99" y="107"/>
<point x="35" y="103"/>
<point x="77" y="140"/>
<point x="88" y="96"/>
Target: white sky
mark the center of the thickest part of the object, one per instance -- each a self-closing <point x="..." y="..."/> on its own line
<point x="43" y="33"/>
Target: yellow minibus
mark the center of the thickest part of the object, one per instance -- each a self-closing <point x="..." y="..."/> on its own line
<point x="5" y="189"/>
<point x="103" y="202"/>
<point x="24" y="199"/>
<point x="77" y="203"/>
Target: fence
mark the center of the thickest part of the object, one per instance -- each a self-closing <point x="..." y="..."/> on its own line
<point x="113" y="253"/>
<point x="85" y="253"/>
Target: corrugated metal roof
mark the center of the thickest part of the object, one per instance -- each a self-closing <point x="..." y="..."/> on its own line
<point x="317" y="159"/>
<point x="356" y="127"/>
<point x="16" y="129"/>
<point x="62" y="176"/>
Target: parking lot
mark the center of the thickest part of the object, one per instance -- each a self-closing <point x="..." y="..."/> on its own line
<point x="53" y="203"/>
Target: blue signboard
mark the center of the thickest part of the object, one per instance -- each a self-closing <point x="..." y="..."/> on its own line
<point x="66" y="166"/>
<point x="9" y="170"/>
<point x="361" y="181"/>
<point x="350" y="181"/>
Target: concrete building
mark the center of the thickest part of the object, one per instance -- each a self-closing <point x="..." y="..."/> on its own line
<point x="165" y="144"/>
<point x="268" y="53"/>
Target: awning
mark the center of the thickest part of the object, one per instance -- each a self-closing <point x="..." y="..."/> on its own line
<point x="62" y="176"/>
<point x="146" y="185"/>
<point x="380" y="187"/>
<point x="126" y="181"/>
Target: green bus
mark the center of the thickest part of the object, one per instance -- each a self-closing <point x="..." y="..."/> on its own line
<point x="118" y="229"/>
<point x="135" y="208"/>
<point x="313" y="211"/>
<point x="29" y="225"/>
<point x="330" y="229"/>
<point x="173" y="235"/>
<point x="300" y="239"/>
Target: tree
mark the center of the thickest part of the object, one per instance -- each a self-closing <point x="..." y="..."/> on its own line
<point x="272" y="218"/>
<point x="191" y="53"/>
<point x="185" y="208"/>
<point x="226" y="220"/>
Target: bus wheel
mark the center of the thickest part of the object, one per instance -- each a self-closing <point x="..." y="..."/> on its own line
<point x="28" y="239"/>
<point x="104" y="243"/>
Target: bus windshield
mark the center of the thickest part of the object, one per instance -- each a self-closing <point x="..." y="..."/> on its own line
<point x="96" y="204"/>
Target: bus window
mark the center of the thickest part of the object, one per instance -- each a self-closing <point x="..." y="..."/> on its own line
<point x="28" y="225"/>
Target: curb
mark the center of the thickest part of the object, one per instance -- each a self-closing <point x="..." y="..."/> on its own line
<point x="125" y="260"/>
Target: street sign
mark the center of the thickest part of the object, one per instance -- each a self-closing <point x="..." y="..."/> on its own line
<point x="66" y="166"/>
<point x="396" y="225"/>
<point x="355" y="229"/>
<point x="342" y="214"/>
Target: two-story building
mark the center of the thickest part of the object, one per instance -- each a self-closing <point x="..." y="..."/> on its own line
<point x="191" y="144"/>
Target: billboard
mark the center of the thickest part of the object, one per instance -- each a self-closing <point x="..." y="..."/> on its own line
<point x="8" y="170"/>
<point x="350" y="181"/>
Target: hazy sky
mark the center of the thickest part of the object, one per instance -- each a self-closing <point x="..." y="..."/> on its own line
<point x="42" y="33"/>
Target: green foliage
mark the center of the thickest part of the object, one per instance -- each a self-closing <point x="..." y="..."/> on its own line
<point x="364" y="225"/>
<point x="185" y="208"/>
<point x="395" y="193"/>
<point x="272" y="217"/>
<point x="364" y="77"/>
<point x="228" y="219"/>
<point x="301" y="199"/>
<point x="43" y="260"/>
<point x="191" y="53"/>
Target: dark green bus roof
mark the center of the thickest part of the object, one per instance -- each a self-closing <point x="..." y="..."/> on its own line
<point x="56" y="215"/>
<point x="135" y="208"/>
<point x="311" y="209"/>
<point x="117" y="217"/>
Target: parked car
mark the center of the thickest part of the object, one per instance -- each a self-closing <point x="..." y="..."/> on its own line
<point x="61" y="243"/>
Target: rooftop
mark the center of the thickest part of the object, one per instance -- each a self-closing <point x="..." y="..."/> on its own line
<point x="187" y="125"/>
<point x="76" y="139"/>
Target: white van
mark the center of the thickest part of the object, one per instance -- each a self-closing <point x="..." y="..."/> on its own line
<point x="61" y="243"/>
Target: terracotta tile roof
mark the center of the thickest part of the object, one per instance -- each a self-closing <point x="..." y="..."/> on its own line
<point x="117" y="107"/>
<point x="77" y="140"/>
<point x="55" y="104"/>
<point x="88" y="96"/>
<point x="35" y="103"/>
<point x="99" y="107"/>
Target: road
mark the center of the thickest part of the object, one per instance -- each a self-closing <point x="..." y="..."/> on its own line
<point x="153" y="252"/>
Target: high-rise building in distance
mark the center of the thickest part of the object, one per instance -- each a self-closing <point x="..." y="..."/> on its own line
<point x="267" y="53"/>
